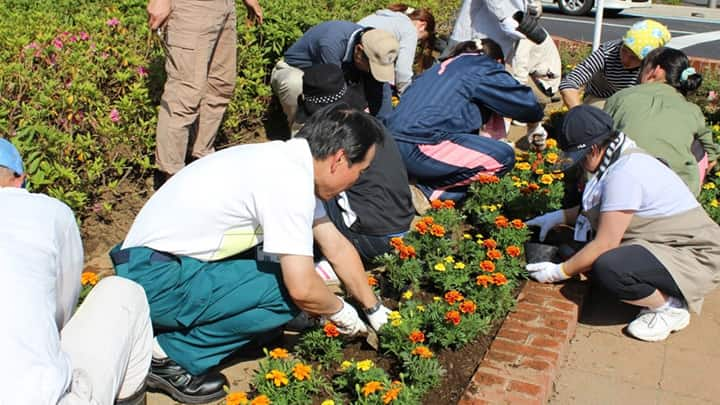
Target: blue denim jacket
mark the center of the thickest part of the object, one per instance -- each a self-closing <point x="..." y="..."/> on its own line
<point x="448" y="99"/>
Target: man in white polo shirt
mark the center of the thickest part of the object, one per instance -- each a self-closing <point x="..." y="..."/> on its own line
<point x="185" y="247"/>
<point x="50" y="356"/>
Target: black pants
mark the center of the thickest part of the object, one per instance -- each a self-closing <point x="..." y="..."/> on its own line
<point x="631" y="272"/>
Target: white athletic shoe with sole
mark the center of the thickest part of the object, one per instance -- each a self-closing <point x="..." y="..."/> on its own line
<point x="654" y="325"/>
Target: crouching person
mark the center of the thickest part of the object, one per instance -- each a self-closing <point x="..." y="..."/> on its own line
<point x="186" y="244"/>
<point x="99" y="355"/>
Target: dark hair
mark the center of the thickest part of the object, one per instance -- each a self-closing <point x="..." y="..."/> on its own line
<point x="337" y="126"/>
<point x="489" y="48"/>
<point x="673" y="62"/>
<point x="424" y="57"/>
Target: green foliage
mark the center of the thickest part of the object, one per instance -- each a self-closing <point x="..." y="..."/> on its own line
<point x="316" y="346"/>
<point x="288" y="381"/>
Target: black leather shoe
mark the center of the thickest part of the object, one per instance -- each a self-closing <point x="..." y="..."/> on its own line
<point x="138" y="398"/>
<point x="168" y="377"/>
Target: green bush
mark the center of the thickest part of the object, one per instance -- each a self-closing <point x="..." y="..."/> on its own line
<point x="80" y="92"/>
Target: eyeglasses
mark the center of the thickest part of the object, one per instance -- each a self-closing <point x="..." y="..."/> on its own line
<point x="166" y="49"/>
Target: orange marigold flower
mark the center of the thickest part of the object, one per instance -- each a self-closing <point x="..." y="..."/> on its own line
<point x="499" y="279"/>
<point x="407" y="252"/>
<point x="488" y="179"/>
<point x="513" y="251"/>
<point x="279" y="353"/>
<point x="501" y="221"/>
<point x="453" y="317"/>
<point x="436" y="204"/>
<point x="421" y="227"/>
<point x="517" y="223"/>
<point x="427" y="220"/>
<point x="391" y="395"/>
<point x="533" y="187"/>
<point x="448" y="204"/>
<point x="438" y="230"/>
<point x="371" y="387"/>
<point x="396" y="242"/>
<point x="484" y="280"/>
<point x="468" y="307"/>
<point x="372" y="281"/>
<point x="260" y="400"/>
<point x="490" y="243"/>
<point x="417" y="336"/>
<point x="453" y="296"/>
<point x="88" y="278"/>
<point x="302" y="372"/>
<point x="278" y="378"/>
<point x="331" y="330"/>
<point x="236" y="398"/>
<point x="494" y="254"/>
<point x="423" y="351"/>
<point x="487" y="265"/>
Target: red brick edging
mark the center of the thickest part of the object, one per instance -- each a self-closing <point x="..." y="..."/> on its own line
<point x="525" y="357"/>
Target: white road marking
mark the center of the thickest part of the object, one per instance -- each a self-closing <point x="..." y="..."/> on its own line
<point x="690" y="40"/>
<point x="605" y="24"/>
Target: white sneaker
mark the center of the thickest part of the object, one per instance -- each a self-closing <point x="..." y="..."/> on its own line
<point x="654" y="325"/>
<point x="326" y="272"/>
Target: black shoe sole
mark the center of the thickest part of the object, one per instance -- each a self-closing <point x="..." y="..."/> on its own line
<point x="156" y="383"/>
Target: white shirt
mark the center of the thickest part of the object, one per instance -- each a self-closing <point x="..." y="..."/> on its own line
<point x="41" y="258"/>
<point x="530" y="58"/>
<point x="230" y="201"/>
<point x="479" y="19"/>
<point x="641" y="183"/>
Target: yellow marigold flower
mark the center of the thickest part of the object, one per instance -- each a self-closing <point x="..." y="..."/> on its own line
<point x="714" y="203"/>
<point x="393" y="315"/>
<point x="328" y="402"/>
<point x="436" y="298"/>
<point x="407" y="294"/>
<point x="440" y="267"/>
<point x="716" y="127"/>
<point x="551" y="157"/>
<point x="236" y="398"/>
<point x="279" y="353"/>
<point x="551" y="143"/>
<point x="558" y="176"/>
<point x="420" y="308"/>
<point x="302" y="372"/>
<point x="365" y="365"/>
<point x="449" y="259"/>
<point x="546" y="179"/>
<point x="371" y="387"/>
<point x="524" y="166"/>
<point x="278" y="377"/>
<point x="459" y="265"/>
<point x="396" y="322"/>
<point x="467" y="236"/>
<point x="717" y="174"/>
<point x="539" y="171"/>
<point x="479" y="236"/>
<point x="88" y="278"/>
<point x="706" y="186"/>
<point x="345" y="365"/>
<point x="260" y="400"/>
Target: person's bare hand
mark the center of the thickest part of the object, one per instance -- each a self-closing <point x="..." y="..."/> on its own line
<point x="254" y="10"/>
<point x="158" y="11"/>
<point x="711" y="166"/>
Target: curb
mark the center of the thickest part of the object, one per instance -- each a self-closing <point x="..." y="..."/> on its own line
<point x="522" y="362"/>
<point x="700" y="64"/>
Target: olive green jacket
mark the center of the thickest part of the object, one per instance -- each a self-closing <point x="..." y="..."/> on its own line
<point x="663" y="123"/>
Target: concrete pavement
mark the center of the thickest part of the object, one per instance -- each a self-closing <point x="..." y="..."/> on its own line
<point x="682" y="11"/>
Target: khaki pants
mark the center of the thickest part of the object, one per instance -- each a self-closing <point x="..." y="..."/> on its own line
<point x="109" y="343"/>
<point x="201" y="73"/>
<point x="286" y="82"/>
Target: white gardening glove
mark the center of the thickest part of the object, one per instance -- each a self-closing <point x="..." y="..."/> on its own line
<point x="347" y="320"/>
<point x="546" y="222"/>
<point x="379" y="317"/>
<point x="537" y="138"/>
<point x="534" y="7"/>
<point x="509" y="27"/>
<point x="547" y="272"/>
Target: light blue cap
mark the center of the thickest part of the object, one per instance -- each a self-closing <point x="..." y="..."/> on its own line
<point x="10" y="157"/>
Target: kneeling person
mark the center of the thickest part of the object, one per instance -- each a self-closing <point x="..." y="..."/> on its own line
<point x="207" y="301"/>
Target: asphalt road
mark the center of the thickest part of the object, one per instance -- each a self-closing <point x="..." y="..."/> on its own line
<point x="581" y="28"/>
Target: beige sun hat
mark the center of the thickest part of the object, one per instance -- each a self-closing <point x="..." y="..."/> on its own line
<point x="381" y="49"/>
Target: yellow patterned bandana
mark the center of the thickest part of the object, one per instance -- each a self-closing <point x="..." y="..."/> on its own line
<point x="644" y="36"/>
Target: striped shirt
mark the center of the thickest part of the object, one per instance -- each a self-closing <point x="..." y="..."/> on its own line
<point x="602" y="72"/>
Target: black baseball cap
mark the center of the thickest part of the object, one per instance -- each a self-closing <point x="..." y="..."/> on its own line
<point x="583" y="127"/>
<point x="325" y="84"/>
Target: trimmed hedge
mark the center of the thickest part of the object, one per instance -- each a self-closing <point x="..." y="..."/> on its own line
<point x="81" y="81"/>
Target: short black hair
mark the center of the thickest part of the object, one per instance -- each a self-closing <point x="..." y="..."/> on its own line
<point x="338" y="126"/>
<point x="488" y="47"/>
